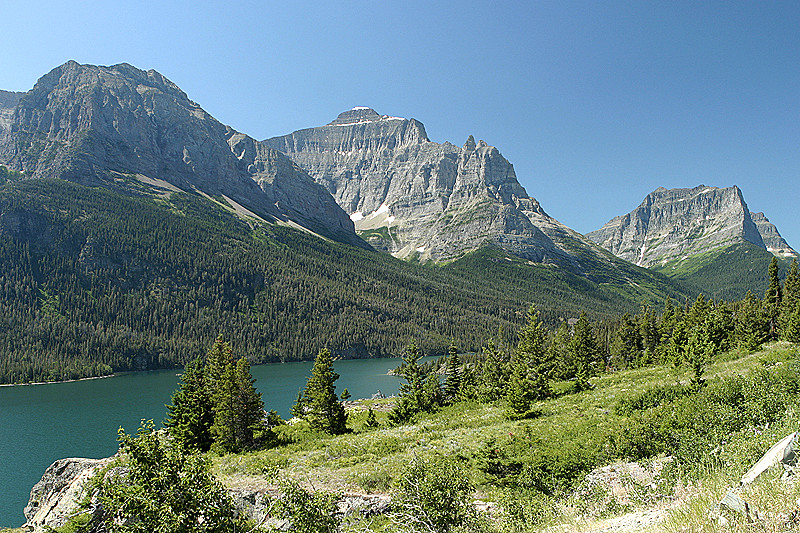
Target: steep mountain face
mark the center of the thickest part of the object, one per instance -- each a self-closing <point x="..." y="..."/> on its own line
<point x="771" y="238"/>
<point x="111" y="125"/>
<point x="679" y="223"/>
<point x="417" y="198"/>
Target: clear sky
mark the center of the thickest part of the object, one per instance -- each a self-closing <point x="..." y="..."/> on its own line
<point x="595" y="103"/>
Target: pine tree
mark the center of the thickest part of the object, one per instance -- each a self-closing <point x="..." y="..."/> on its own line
<point x="494" y="373"/>
<point x="773" y="296"/>
<point x="585" y="351"/>
<point x="791" y="297"/>
<point x="564" y="366"/>
<point x="190" y="416"/>
<point x="452" y="386"/>
<point x="751" y="323"/>
<point x="418" y="393"/>
<point x="530" y="369"/>
<point x="321" y="406"/>
<point x="626" y="344"/>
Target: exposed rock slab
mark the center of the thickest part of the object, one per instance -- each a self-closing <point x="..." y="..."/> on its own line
<point x="56" y="496"/>
<point x="771" y="237"/>
<point x="678" y="223"/>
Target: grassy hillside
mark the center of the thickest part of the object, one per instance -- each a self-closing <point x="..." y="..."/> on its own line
<point x="692" y="447"/>
<point x="95" y="281"/>
<point x="725" y="273"/>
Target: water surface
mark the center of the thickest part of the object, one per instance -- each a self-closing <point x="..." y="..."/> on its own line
<point x="42" y="423"/>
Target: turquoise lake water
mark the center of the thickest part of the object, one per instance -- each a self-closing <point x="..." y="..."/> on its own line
<point x="42" y="423"/>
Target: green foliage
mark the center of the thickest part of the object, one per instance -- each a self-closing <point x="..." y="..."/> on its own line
<point x="191" y="415"/>
<point x="163" y="489"/>
<point x="217" y="405"/>
<point x="141" y="282"/>
<point x="454" y="379"/>
<point x="584" y="352"/>
<point x="318" y="403"/>
<point x="419" y="393"/>
<point x="434" y="496"/>
<point x="531" y="367"/>
<point x="308" y="512"/>
<point x="494" y="374"/>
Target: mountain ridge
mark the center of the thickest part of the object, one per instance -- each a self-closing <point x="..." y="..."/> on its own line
<point x="671" y="224"/>
<point x="101" y="125"/>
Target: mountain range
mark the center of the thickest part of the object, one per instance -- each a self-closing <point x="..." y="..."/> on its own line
<point x="136" y="227"/>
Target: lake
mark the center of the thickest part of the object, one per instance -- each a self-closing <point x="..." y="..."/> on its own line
<point x="42" y="423"/>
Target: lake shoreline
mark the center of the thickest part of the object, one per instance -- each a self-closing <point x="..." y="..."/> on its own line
<point x="55" y="382"/>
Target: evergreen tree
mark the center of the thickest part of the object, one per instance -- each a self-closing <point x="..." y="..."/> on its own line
<point x="452" y="385"/>
<point x="751" y="323"/>
<point x="564" y="365"/>
<point x="417" y="394"/>
<point x="626" y="343"/>
<point x="321" y="406"/>
<point x="649" y="333"/>
<point x="584" y="350"/>
<point x="791" y="297"/>
<point x="530" y="368"/>
<point x="791" y="329"/>
<point x="494" y="373"/>
<point x="191" y="415"/>
<point x="773" y="296"/>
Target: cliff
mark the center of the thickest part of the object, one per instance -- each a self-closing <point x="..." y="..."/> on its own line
<point x="679" y="223"/>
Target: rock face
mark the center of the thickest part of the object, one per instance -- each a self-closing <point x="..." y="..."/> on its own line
<point x="770" y="236"/>
<point x="56" y="496"/>
<point x="417" y="198"/>
<point x="677" y="223"/>
<point x="101" y="125"/>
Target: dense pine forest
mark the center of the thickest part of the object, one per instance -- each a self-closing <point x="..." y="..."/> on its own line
<point x="96" y="281"/>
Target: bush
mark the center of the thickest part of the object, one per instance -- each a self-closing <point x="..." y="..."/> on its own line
<point x="308" y="512"/>
<point x="163" y="489"/>
<point x="433" y="496"/>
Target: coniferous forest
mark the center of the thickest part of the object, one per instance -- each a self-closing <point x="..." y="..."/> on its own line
<point x="96" y="281"/>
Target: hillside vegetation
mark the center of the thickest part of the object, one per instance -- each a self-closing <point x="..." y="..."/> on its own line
<point x="524" y="429"/>
<point x="96" y="281"/>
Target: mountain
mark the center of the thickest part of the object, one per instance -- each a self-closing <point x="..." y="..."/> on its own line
<point x="416" y="198"/>
<point x="771" y="238"/>
<point x="704" y="236"/>
<point x="130" y="129"/>
<point x="678" y="223"/>
<point x="135" y="228"/>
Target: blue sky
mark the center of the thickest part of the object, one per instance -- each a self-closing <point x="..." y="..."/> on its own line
<point x="595" y="103"/>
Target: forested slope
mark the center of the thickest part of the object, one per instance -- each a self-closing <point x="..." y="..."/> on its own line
<point x="95" y="281"/>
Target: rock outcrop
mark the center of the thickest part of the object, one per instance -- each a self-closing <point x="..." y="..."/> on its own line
<point x="770" y="236"/>
<point x="56" y="496"/>
<point x="104" y="125"/>
<point x="678" y="223"/>
<point x="416" y="198"/>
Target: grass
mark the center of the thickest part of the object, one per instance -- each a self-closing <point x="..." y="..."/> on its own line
<point x="569" y="439"/>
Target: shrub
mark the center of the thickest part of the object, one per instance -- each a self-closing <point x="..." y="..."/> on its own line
<point x="433" y="496"/>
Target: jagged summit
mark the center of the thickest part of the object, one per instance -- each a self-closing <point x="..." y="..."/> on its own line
<point x="435" y="201"/>
<point x="357" y="115"/>
<point x="678" y="223"/>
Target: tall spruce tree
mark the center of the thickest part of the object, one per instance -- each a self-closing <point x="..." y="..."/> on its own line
<point x="791" y="298"/>
<point x="320" y="403"/>
<point x="773" y="297"/>
<point x="494" y="373"/>
<point x="585" y="351"/>
<point x="530" y="368"/>
<point x="418" y="393"/>
<point x="191" y="415"/>
<point x="452" y="385"/>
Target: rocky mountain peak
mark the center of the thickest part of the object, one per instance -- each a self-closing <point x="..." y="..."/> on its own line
<point x="356" y="115"/>
<point x="469" y="146"/>
<point x="101" y="125"/>
<point x="413" y="197"/>
<point x="672" y="224"/>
